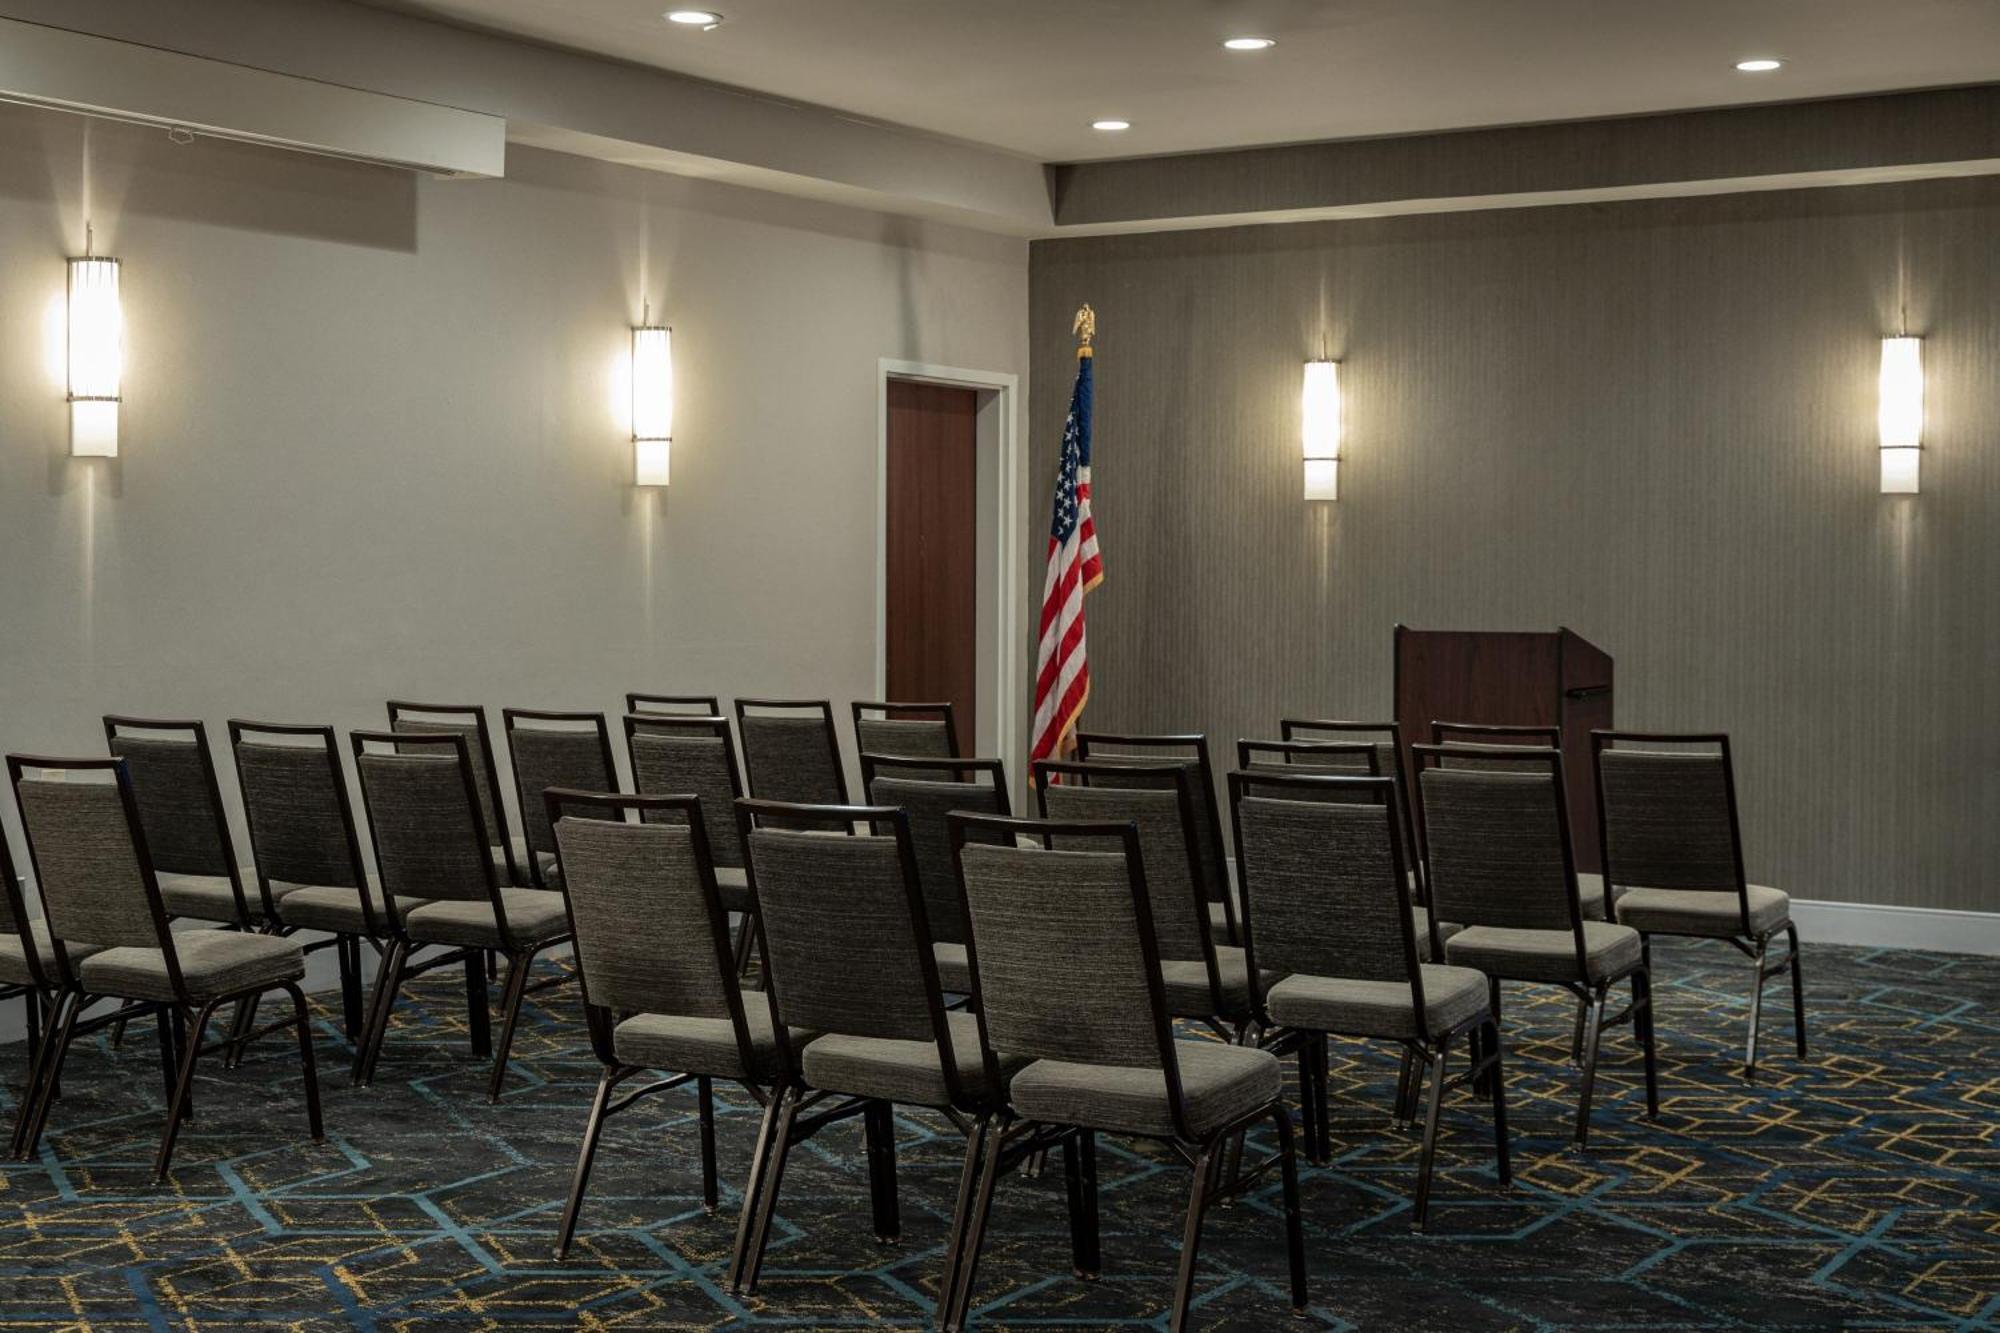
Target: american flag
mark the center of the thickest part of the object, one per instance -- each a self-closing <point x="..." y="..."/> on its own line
<point x="1062" y="671"/>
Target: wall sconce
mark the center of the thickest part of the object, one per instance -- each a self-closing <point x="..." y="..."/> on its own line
<point x="1320" y="434"/>
<point x="96" y="355"/>
<point x="652" y="402"/>
<point x="1900" y="415"/>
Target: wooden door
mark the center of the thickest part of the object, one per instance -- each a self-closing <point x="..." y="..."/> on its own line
<point x="931" y="648"/>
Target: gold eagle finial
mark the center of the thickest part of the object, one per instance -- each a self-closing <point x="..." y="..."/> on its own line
<point x="1085" y="329"/>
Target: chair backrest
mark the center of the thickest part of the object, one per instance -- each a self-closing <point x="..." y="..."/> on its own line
<point x="1191" y="750"/>
<point x="1323" y="877"/>
<point x="841" y="915"/>
<point x="650" y="930"/>
<point x="1387" y="738"/>
<point x="906" y="731"/>
<point x="681" y="754"/>
<point x="791" y="753"/>
<point x="295" y="802"/>
<point x="1498" y="841"/>
<point x="180" y="801"/>
<point x="1350" y="758"/>
<point x="674" y="705"/>
<point x="1064" y="963"/>
<point x="911" y="785"/>
<point x="87" y="846"/>
<point x="1160" y="799"/>
<point x="469" y="721"/>
<point x="15" y="917"/>
<point x="1668" y="816"/>
<point x="423" y="815"/>
<point x="1480" y="745"/>
<point x="555" y="749"/>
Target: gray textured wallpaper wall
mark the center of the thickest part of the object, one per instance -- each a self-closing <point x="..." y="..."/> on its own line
<point x="1653" y="422"/>
<point x="374" y="443"/>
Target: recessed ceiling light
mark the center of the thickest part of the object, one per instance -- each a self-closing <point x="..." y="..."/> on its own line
<point x="1761" y="65"/>
<point x="1249" y="43"/>
<point x="1111" y="124"/>
<point x="694" y="18"/>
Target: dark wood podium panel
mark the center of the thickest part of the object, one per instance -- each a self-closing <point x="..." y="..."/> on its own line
<point x="1511" y="679"/>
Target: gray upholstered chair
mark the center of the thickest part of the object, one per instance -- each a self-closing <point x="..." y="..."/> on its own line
<point x="306" y="849"/>
<point x="1387" y="738"/>
<point x="1327" y="910"/>
<point x="469" y="721"/>
<point x="1673" y="852"/>
<point x="791" y="752"/>
<point x="1191" y="750"/>
<point x="88" y="842"/>
<point x="1501" y="865"/>
<point x="553" y="749"/>
<point x="1204" y="980"/>
<point x="675" y="754"/>
<point x="907" y="731"/>
<point x="431" y="844"/>
<point x="28" y="970"/>
<point x="180" y="806"/>
<point x="847" y="945"/>
<point x="674" y="705"/>
<point x="1487" y="746"/>
<point x="1066" y="975"/>
<point x="927" y="794"/>
<point x="653" y="963"/>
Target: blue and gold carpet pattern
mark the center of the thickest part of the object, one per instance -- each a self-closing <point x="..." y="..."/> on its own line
<point x="1859" y="1188"/>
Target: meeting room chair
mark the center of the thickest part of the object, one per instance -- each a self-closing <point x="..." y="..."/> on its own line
<point x="1387" y="738"/>
<point x="1673" y="850"/>
<point x="1502" y="866"/>
<point x="654" y="967"/>
<point x="1191" y="750"/>
<point x="906" y="730"/>
<point x="791" y="752"/>
<point x="847" y="945"/>
<point x="92" y="861"/>
<point x="173" y="778"/>
<point x="683" y="753"/>
<point x="1484" y="746"/>
<point x="927" y="795"/>
<point x="431" y="844"/>
<point x="29" y="971"/>
<point x="1326" y="910"/>
<point x="469" y="721"/>
<point x="554" y="749"/>
<point x="1066" y="976"/>
<point x="683" y="705"/>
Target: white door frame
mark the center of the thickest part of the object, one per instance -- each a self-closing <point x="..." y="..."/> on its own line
<point x="1002" y="512"/>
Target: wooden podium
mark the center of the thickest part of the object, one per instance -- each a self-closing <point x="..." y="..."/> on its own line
<point x="1557" y="680"/>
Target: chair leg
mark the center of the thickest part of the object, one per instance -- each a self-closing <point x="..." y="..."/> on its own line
<point x="478" y="1017"/>
<point x="192" y="1052"/>
<point x="1308" y="1102"/>
<point x="774" y="1177"/>
<point x="1427" y="1159"/>
<point x="1576" y="1032"/>
<point x="1295" y="1232"/>
<point x="586" y="1154"/>
<point x="309" y="1065"/>
<point x="239" y="1030"/>
<point x="1593" y="1036"/>
<point x="1756" y="1008"/>
<point x="1080" y="1180"/>
<point x="170" y="1050"/>
<point x="1497" y="1082"/>
<point x="1798" y="990"/>
<point x="705" y="1100"/>
<point x="1405" y="1111"/>
<point x="348" y="950"/>
<point x="879" y="1131"/>
<point x="387" y="983"/>
<point x="1322" y="1151"/>
<point x="1642" y="1026"/>
<point x="959" y="1303"/>
<point x="1191" y="1235"/>
<point x="510" y="1010"/>
<point x="753" y="1187"/>
<point x="34" y="1112"/>
<point x="968" y="1177"/>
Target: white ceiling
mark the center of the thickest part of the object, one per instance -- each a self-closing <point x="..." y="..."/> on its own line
<point x="1029" y="76"/>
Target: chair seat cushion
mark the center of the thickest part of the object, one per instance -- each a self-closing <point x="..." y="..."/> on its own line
<point x="1354" y="1008"/>
<point x="1590" y="893"/>
<point x="14" y="955"/>
<point x="534" y="917"/>
<point x="1186" y="984"/>
<point x="213" y="962"/>
<point x="331" y="907"/>
<point x="902" y="1071"/>
<point x="732" y="885"/>
<point x="1220" y="1083"/>
<point x="1545" y="955"/>
<point x="703" y="1045"/>
<point x="954" y="968"/>
<point x="1714" y="915"/>
<point x="210" y="897"/>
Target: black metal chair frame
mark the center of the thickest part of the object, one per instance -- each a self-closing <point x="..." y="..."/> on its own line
<point x="1754" y="945"/>
<point x="575" y="721"/>
<point x="1592" y="996"/>
<point x="183" y="1021"/>
<point x="1007" y="1145"/>
<point x="397" y="967"/>
<point x="1209" y="798"/>
<point x="1427" y="1052"/>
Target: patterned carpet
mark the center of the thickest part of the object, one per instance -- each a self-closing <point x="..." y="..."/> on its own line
<point x="1860" y="1189"/>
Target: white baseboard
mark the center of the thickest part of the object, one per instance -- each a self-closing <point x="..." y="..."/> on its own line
<point x="1886" y="927"/>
